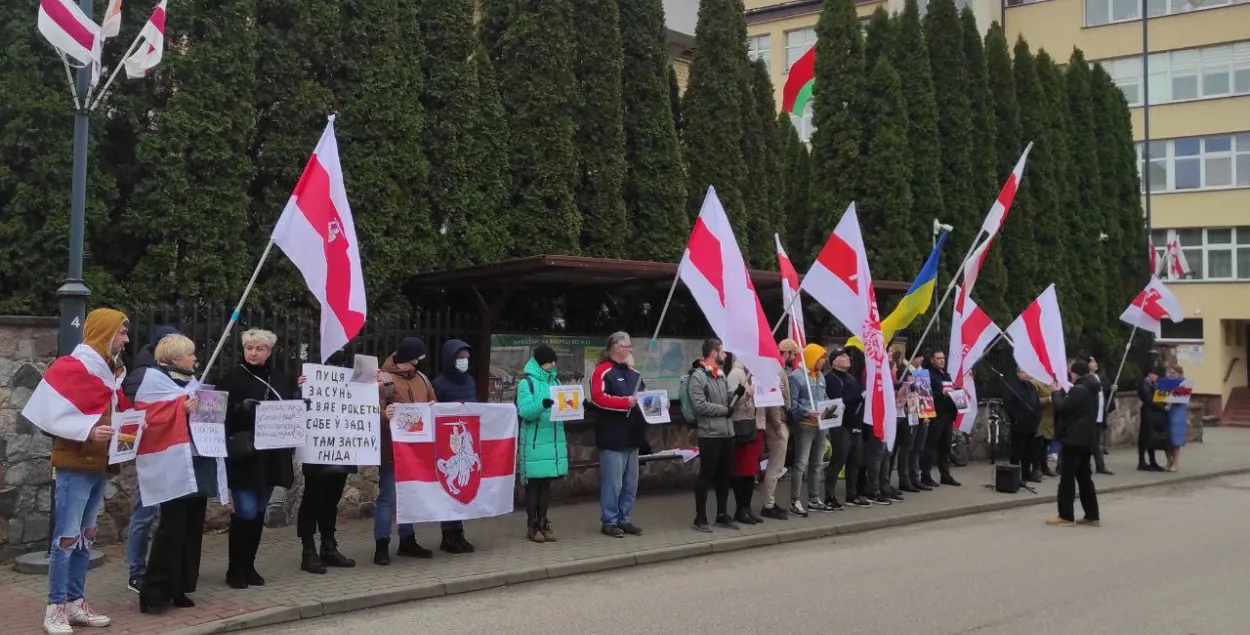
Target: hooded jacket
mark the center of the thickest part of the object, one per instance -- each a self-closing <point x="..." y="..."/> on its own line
<point x="98" y="331"/>
<point x="1076" y="414"/>
<point x="800" y="379"/>
<point x="709" y="394"/>
<point x="410" y="386"/>
<point x="451" y="384"/>
<point x="544" y="449"/>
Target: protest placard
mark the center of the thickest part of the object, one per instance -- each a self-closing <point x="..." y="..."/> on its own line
<point x="1177" y="390"/>
<point x="129" y="431"/>
<point x="211" y="407"/>
<point x="960" y="397"/>
<point x="413" y="423"/>
<point x="570" y="403"/>
<point x="654" y="405"/>
<point x="364" y="370"/>
<point x="209" y="438"/>
<point x="281" y="424"/>
<point x="343" y="419"/>
<point x="831" y="412"/>
<point x="924" y="390"/>
<point x="767" y="394"/>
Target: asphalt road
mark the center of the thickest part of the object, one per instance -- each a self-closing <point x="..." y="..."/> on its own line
<point x="1167" y="561"/>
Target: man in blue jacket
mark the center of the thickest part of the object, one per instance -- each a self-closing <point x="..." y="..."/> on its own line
<point x="455" y="384"/>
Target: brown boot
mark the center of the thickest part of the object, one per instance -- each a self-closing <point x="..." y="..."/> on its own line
<point x="548" y="534"/>
<point x="534" y="533"/>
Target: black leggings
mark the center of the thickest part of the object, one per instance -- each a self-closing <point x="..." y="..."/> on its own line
<point x="174" y="564"/>
<point x="1024" y="453"/>
<point x="319" y="508"/>
<point x="715" y="469"/>
<point x="537" y="498"/>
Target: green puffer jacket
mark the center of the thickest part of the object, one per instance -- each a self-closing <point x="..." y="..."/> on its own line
<point x="544" y="452"/>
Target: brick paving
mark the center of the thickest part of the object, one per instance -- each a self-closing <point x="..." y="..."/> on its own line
<point x="504" y="556"/>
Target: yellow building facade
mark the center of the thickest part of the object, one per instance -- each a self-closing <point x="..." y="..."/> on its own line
<point x="1199" y="84"/>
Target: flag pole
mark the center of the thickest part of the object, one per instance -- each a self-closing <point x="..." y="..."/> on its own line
<point x="1124" y="358"/>
<point x="120" y="63"/>
<point x="946" y="296"/>
<point x="663" y="312"/>
<point x="788" y="308"/>
<point x="234" y="317"/>
<point x="69" y="75"/>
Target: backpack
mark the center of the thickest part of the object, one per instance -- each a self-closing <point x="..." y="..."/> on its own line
<point x="517" y="400"/>
<point x="687" y="406"/>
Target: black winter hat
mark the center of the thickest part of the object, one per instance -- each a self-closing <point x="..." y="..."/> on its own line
<point x="544" y="355"/>
<point x="410" y="349"/>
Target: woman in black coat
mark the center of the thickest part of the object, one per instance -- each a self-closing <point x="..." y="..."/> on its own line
<point x="251" y="473"/>
<point x="1152" y="433"/>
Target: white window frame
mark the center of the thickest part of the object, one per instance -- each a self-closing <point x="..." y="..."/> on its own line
<point x="1170" y="7"/>
<point x="1238" y="155"/>
<point x="760" y="47"/>
<point x="795" y="51"/>
<point x="1226" y="60"/>
<point x="1198" y="254"/>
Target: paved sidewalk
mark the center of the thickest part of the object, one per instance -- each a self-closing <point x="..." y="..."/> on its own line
<point x="505" y="557"/>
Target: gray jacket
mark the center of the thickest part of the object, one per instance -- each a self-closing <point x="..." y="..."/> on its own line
<point x="710" y="398"/>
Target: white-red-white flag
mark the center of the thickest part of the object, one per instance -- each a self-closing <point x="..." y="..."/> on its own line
<point x="75" y="392"/>
<point x="972" y="331"/>
<point x="1156" y="265"/>
<point x="966" y="420"/>
<point x="70" y="31"/>
<point x="716" y="274"/>
<point x="150" y="47"/>
<point x="164" y="460"/>
<point x="112" y="24"/>
<point x="1177" y="264"/>
<point x="467" y="472"/>
<point x="317" y="233"/>
<point x="1151" y="306"/>
<point x="1037" y="336"/>
<point x="789" y="295"/>
<point x="1007" y="195"/>
<point x="842" y="283"/>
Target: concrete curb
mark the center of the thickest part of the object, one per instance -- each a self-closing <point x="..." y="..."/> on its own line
<point x="467" y="584"/>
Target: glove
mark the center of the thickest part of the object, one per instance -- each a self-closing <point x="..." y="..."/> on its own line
<point x="742" y="390"/>
<point x="547" y="403"/>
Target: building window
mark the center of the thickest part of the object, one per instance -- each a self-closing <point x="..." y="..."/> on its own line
<point x="1213" y="253"/>
<point x="1205" y="73"/>
<point x="760" y="47"/>
<point x="803" y="125"/>
<point x="1099" y="12"/>
<point x="1198" y="163"/>
<point x="797" y="43"/>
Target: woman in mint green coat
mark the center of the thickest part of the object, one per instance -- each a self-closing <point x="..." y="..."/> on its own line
<point x="544" y="452"/>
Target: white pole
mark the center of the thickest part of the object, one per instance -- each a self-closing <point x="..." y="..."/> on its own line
<point x="663" y="312"/>
<point x="1124" y="358"/>
<point x="234" y="317"/>
<point x="69" y="75"/>
<point x="120" y="63"/>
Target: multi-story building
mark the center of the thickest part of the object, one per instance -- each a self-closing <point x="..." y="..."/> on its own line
<point x="1199" y="111"/>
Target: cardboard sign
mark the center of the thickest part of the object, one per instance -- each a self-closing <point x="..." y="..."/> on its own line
<point x="413" y="423"/>
<point x="831" y="413"/>
<point x="570" y="403"/>
<point x="1177" y="390"/>
<point x="654" y="405"/>
<point x="343" y="419"/>
<point x="125" y="443"/>
<point x="281" y="424"/>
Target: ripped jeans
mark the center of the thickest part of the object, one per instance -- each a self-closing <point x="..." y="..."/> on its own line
<point x="78" y="499"/>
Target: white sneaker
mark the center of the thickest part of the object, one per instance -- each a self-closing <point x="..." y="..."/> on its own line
<point x="83" y="614"/>
<point x="56" y="620"/>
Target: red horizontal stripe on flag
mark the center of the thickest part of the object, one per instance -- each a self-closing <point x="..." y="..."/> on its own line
<point x="705" y="254"/>
<point x="71" y="379"/>
<point x="166" y="425"/>
<point x="417" y="462"/>
<point x="64" y="18"/>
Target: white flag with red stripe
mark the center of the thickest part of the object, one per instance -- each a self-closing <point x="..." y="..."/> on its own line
<point x="70" y="31"/>
<point x="1151" y="306"/>
<point x="1006" y="196"/>
<point x="789" y="295"/>
<point x="317" y="233"/>
<point x="467" y="472"/>
<point x="1177" y="263"/>
<point x="841" y="282"/>
<point x="972" y="331"/>
<point x="151" y="45"/>
<point x="1156" y="265"/>
<point x="1037" y="336"/>
<point x="75" y="392"/>
<point x="966" y="420"/>
<point x="164" y="460"/>
<point x="716" y="274"/>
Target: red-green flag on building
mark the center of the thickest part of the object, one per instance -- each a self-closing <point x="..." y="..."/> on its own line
<point x="799" y="83"/>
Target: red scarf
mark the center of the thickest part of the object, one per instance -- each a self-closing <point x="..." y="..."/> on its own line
<point x="712" y="369"/>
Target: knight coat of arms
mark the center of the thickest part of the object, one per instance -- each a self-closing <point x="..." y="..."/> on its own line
<point x="458" y="455"/>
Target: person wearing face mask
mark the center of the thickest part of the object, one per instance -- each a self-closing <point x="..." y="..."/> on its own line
<point x="454" y="383"/>
<point x="777" y="433"/>
<point x="399" y="382"/>
<point x="806" y="383"/>
<point x="848" y="440"/>
<point x="544" y="450"/>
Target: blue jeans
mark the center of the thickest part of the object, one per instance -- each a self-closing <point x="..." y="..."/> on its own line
<point x="618" y="484"/>
<point x="384" y="509"/>
<point x="137" y="532"/>
<point x="250" y="504"/>
<point x="78" y="499"/>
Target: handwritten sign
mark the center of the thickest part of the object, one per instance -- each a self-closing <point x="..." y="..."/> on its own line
<point x="343" y="419"/>
<point x="209" y="438"/>
<point x="1177" y="390"/>
<point x="125" y="443"/>
<point x="831" y="412"/>
<point x="413" y="423"/>
<point x="280" y="424"/>
<point x="654" y="405"/>
<point x="570" y="403"/>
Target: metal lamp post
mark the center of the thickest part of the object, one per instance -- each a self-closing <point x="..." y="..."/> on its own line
<point x="73" y="292"/>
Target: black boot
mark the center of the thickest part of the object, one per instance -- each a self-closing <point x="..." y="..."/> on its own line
<point x="409" y="548"/>
<point x="454" y="542"/>
<point x="330" y="553"/>
<point x="309" y="561"/>
<point x="382" y="552"/>
<point x="237" y="541"/>
<point x="256" y="532"/>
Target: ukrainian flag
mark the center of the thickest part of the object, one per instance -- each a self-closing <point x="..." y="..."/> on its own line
<point x="914" y="303"/>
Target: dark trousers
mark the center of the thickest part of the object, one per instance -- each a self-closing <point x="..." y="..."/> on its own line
<point x="877" y="459"/>
<point x="938" y="452"/>
<point x="1144" y="449"/>
<point x="537" y="498"/>
<point x="1099" y="461"/>
<point x="174" y="564"/>
<point x="1075" y="472"/>
<point x="716" y="458"/>
<point x="902" y="453"/>
<point x="319" y="508"/>
<point x="848" y="452"/>
<point x="1041" y="453"/>
<point x="1024" y="453"/>
<point x="919" y="448"/>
